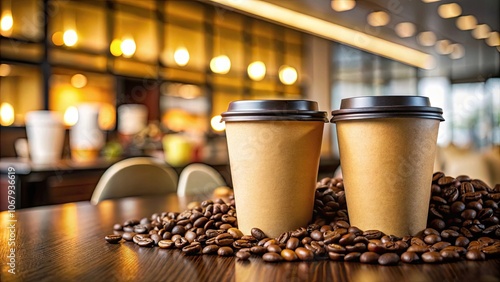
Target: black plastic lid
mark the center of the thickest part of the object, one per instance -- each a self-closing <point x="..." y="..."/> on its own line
<point x="366" y="107"/>
<point x="257" y="110"/>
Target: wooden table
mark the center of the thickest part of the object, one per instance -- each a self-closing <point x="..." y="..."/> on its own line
<point x="66" y="243"/>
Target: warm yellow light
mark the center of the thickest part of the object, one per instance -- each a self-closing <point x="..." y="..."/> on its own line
<point x="466" y="22"/>
<point x="71" y="116"/>
<point x="481" y="31"/>
<point x="70" y="37"/>
<point x="493" y="39"/>
<point x="78" y="80"/>
<point x="443" y="47"/>
<point x="430" y="1"/>
<point x="107" y="117"/>
<point x="115" y="47"/>
<point x="379" y="18"/>
<point x="220" y="64"/>
<point x="58" y="38"/>
<point x="216" y="123"/>
<point x="405" y="29"/>
<point x="287" y="75"/>
<point x="343" y="5"/>
<point x="7" y="21"/>
<point x="5" y="69"/>
<point x="256" y="70"/>
<point x="181" y="56"/>
<point x="450" y="10"/>
<point x="426" y="38"/>
<point x="332" y="31"/>
<point x="6" y="114"/>
<point x="128" y="47"/>
<point x="457" y="52"/>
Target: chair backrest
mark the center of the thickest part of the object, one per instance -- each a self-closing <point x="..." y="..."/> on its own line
<point x="198" y="178"/>
<point x="135" y="177"/>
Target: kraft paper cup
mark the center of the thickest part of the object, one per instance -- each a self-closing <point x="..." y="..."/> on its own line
<point x="274" y="150"/>
<point x="387" y="148"/>
<point x="45" y="131"/>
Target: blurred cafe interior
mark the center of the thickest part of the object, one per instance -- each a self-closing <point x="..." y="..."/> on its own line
<point x="151" y="78"/>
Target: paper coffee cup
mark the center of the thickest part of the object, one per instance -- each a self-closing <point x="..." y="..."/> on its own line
<point x="45" y="131"/>
<point x="274" y="150"/>
<point x="387" y="148"/>
<point x="86" y="138"/>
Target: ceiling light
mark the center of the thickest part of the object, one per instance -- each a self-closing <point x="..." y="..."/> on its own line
<point x="450" y="10"/>
<point x="405" y="29"/>
<point x="57" y="38"/>
<point x="466" y="22"/>
<point x="256" y="70"/>
<point x="343" y="5"/>
<point x="379" y="18"/>
<point x="70" y="37"/>
<point x="216" y="123"/>
<point x="128" y="47"/>
<point x="481" y="31"/>
<point x="332" y="31"/>
<point x="70" y="116"/>
<point x="443" y="47"/>
<point x="6" y="114"/>
<point x="457" y="52"/>
<point x="426" y="38"/>
<point x="115" y="47"/>
<point x="78" y="80"/>
<point x="493" y="39"/>
<point x="181" y="56"/>
<point x="220" y="64"/>
<point x="287" y="75"/>
<point x="7" y="22"/>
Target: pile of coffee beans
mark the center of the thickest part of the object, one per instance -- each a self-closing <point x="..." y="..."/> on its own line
<point x="463" y="224"/>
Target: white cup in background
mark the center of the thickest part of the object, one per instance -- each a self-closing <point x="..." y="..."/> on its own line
<point x="45" y="131"/>
<point x="86" y="138"/>
<point x="132" y="118"/>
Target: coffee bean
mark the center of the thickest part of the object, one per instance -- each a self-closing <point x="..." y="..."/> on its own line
<point x="292" y="243"/>
<point x="242" y="244"/>
<point x="432" y="257"/>
<point x="289" y="255"/>
<point x="352" y="256"/>
<point x="372" y="234"/>
<point x="225" y="251"/>
<point x="336" y="248"/>
<point x="258" y="250"/>
<point x="258" y="234"/>
<point x="418" y="249"/>
<point x="336" y="256"/>
<point x="224" y="239"/>
<point x="210" y="249"/>
<point x="475" y="254"/>
<point x="347" y="239"/>
<point x="304" y="254"/>
<point x="369" y="257"/>
<point x="166" y="244"/>
<point x="192" y="249"/>
<point x="358" y="247"/>
<point x="409" y="257"/>
<point x="273" y="248"/>
<point x="440" y="245"/>
<point x="432" y="239"/>
<point x="178" y="229"/>
<point x="438" y="224"/>
<point x="243" y="255"/>
<point x="272" y="257"/>
<point x="468" y="214"/>
<point x="457" y="207"/>
<point x="449" y="255"/>
<point x="113" y="239"/>
<point x="316" y="235"/>
<point x="145" y="242"/>
<point x="462" y="241"/>
<point x="388" y="259"/>
<point x="156" y="238"/>
<point x="493" y="250"/>
<point x="128" y="236"/>
<point x="190" y="236"/>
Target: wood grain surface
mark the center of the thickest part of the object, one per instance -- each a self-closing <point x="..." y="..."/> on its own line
<point x="66" y="243"/>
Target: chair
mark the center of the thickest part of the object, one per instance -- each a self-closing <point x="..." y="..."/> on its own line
<point x="198" y="178"/>
<point x="135" y="177"/>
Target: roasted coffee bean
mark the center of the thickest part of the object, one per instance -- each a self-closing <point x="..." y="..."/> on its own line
<point x="432" y="257"/>
<point x="347" y="239"/>
<point x="178" y="229"/>
<point x="273" y="248"/>
<point x="210" y="249"/>
<point x="289" y="255"/>
<point x="316" y="235"/>
<point x="200" y="222"/>
<point x="156" y="238"/>
<point x="417" y="241"/>
<point x="388" y="259"/>
<point x="475" y="254"/>
<point x="359" y="247"/>
<point x="225" y="251"/>
<point x="270" y="242"/>
<point x="292" y="243"/>
<point x="440" y="245"/>
<point x="299" y="233"/>
<point x="243" y="255"/>
<point x="369" y="257"/>
<point x="181" y="243"/>
<point x="145" y="242"/>
<point x="336" y="256"/>
<point x="449" y="234"/>
<point x="354" y="230"/>
<point x="272" y="257"/>
<point x="118" y="227"/>
<point x="304" y="254"/>
<point x="258" y="250"/>
<point x="306" y="240"/>
<point x="436" y="176"/>
<point x="372" y="234"/>
<point x="190" y="236"/>
<point x="113" y="239"/>
<point x="462" y="241"/>
<point x="352" y="256"/>
<point x="258" y="234"/>
<point x="432" y="239"/>
<point x="493" y="250"/>
<point x="242" y="244"/>
<point x="166" y="244"/>
<point x="192" y="249"/>
<point x="409" y="257"/>
<point x="457" y="207"/>
<point x="468" y="214"/>
<point x="139" y="237"/>
<point x="129" y="236"/>
<point x="418" y="249"/>
<point x="283" y="238"/>
<point x="431" y="231"/>
<point x="224" y="239"/>
<point x="449" y="255"/>
<point x="438" y="224"/>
